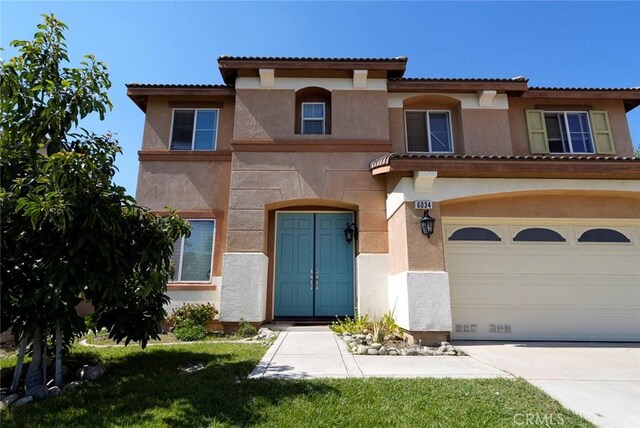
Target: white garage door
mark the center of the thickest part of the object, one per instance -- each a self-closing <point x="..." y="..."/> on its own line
<point x="544" y="279"/>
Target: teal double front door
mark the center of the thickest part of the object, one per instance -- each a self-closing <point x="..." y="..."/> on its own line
<point x="313" y="265"/>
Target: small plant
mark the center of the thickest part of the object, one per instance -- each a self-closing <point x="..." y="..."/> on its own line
<point x="199" y="313"/>
<point x="384" y="328"/>
<point x="246" y="329"/>
<point x="189" y="331"/>
<point x="357" y="324"/>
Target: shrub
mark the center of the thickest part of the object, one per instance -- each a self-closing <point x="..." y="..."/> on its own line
<point x="357" y="324"/>
<point x="246" y="329"/>
<point x="199" y="314"/>
<point x="384" y="328"/>
<point x="189" y="331"/>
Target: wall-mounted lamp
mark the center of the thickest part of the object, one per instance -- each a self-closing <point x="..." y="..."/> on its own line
<point x="350" y="232"/>
<point x="426" y="223"/>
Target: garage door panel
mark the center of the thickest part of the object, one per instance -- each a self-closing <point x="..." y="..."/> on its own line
<point x="473" y="261"/>
<point x="608" y="260"/>
<point x="548" y="263"/>
<point x="548" y="293"/>
<point x="545" y="291"/>
<point x="613" y="296"/>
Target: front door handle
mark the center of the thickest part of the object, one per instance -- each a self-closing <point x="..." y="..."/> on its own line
<point x="317" y="278"/>
<point x="311" y="279"/>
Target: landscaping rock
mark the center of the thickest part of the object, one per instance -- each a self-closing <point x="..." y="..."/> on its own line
<point x="360" y="337"/>
<point x="345" y="334"/>
<point x="362" y="349"/>
<point x="382" y="351"/>
<point x="372" y="351"/>
<point x="91" y="372"/>
<point x="54" y="391"/>
<point x="450" y="353"/>
<point x="24" y="400"/>
<point x="9" y="400"/>
<point x="348" y="339"/>
<point x="265" y="333"/>
<point x="39" y="391"/>
<point x="369" y="337"/>
<point x="394" y="353"/>
<point x="376" y="345"/>
<point x="72" y="386"/>
<point x="412" y="351"/>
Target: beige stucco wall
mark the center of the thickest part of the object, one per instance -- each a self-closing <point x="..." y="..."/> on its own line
<point x="270" y="115"/>
<point x="558" y="204"/>
<point x="189" y="187"/>
<point x="486" y="132"/>
<point x="260" y="180"/>
<point x="157" y="126"/>
<point x="617" y="117"/>
<point x="409" y="249"/>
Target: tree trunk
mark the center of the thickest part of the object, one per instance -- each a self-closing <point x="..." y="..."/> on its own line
<point x="58" y="375"/>
<point x="36" y="359"/>
<point x="17" y="372"/>
<point x="44" y="358"/>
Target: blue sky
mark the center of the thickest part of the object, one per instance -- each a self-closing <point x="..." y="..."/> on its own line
<point x="585" y="44"/>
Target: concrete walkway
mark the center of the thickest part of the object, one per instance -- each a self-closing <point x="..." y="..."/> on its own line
<point x="316" y="352"/>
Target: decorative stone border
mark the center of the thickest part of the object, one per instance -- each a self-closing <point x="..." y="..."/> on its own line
<point x="361" y="344"/>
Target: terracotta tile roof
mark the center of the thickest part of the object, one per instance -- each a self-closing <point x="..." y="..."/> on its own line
<point x="461" y="79"/>
<point x="309" y="59"/>
<point x="386" y="159"/>
<point x="553" y="88"/>
<point x="175" y="85"/>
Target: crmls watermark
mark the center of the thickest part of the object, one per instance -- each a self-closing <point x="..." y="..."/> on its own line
<point x="538" y="419"/>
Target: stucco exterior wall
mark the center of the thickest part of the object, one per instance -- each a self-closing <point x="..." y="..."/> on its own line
<point x="270" y="115"/>
<point x="486" y="132"/>
<point x="157" y="126"/>
<point x="360" y="115"/>
<point x="188" y="187"/>
<point x="617" y="118"/>
<point x="548" y="205"/>
<point x="259" y="180"/>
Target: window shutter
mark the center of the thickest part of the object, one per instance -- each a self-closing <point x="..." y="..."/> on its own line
<point x="602" y="132"/>
<point x="538" y="141"/>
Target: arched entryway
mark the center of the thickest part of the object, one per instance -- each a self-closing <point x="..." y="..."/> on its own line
<point x="311" y="262"/>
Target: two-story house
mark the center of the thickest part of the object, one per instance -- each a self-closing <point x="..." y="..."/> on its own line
<point x="471" y="208"/>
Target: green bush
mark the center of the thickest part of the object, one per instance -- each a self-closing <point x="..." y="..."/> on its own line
<point x="246" y="329"/>
<point x="199" y="314"/>
<point x="357" y="324"/>
<point x="189" y="331"/>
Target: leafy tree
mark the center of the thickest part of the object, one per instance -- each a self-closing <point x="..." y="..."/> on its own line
<point x="68" y="232"/>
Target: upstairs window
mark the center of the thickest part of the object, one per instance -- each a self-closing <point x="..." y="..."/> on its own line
<point x="313" y="111"/>
<point x="580" y="132"/>
<point x="568" y="132"/>
<point x="194" y="129"/>
<point x="313" y="118"/>
<point x="193" y="256"/>
<point x="428" y="131"/>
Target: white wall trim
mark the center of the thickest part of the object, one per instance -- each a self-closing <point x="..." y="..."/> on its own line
<point x="267" y="77"/>
<point x="296" y="83"/>
<point x="360" y="79"/>
<point x="243" y="292"/>
<point x="468" y="101"/>
<point x="443" y="189"/>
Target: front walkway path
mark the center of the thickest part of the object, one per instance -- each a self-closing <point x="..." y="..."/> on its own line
<point x="316" y="352"/>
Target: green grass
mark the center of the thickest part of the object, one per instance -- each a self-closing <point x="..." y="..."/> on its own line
<point x="145" y="388"/>
<point x="102" y="338"/>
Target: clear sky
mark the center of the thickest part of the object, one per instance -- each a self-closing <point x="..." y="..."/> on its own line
<point x="584" y="44"/>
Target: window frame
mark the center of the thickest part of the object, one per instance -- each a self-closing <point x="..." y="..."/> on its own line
<point x="313" y="119"/>
<point x="428" y="127"/>
<point x="178" y="273"/>
<point x="568" y="131"/>
<point x="193" y="132"/>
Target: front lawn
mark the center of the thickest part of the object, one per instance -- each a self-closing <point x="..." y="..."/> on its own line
<point x="146" y="388"/>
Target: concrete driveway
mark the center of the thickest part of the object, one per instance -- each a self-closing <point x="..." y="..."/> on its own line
<point x="600" y="381"/>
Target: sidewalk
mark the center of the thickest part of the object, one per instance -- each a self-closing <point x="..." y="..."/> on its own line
<point x="316" y="352"/>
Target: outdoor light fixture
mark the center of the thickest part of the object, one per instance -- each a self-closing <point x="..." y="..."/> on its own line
<point x="426" y="223"/>
<point x="350" y="232"/>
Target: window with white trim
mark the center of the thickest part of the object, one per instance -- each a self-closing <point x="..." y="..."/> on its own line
<point x="568" y="132"/>
<point x="313" y="118"/>
<point x="428" y="131"/>
<point x="194" y="129"/>
<point x="193" y="256"/>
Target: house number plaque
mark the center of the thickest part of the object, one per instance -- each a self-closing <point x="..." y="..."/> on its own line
<point x="424" y="205"/>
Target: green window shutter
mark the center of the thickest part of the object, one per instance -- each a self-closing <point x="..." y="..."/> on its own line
<point x="602" y="132"/>
<point x="538" y="142"/>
